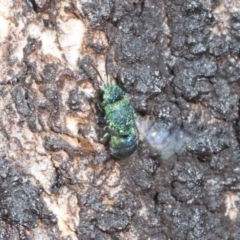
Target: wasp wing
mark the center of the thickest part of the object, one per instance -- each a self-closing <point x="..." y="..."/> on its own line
<point x="163" y="139"/>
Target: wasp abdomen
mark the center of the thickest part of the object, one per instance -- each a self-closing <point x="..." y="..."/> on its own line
<point x="120" y="117"/>
<point x="121" y="146"/>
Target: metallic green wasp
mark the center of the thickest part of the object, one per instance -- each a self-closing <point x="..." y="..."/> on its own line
<point x="120" y="117"/>
<point x="124" y="126"/>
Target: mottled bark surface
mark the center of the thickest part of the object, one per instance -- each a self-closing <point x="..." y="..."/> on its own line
<point x="178" y="61"/>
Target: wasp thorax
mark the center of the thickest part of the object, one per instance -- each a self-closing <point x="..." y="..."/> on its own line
<point x="112" y="94"/>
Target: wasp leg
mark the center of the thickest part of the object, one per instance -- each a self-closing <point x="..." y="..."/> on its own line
<point x="100" y="106"/>
<point x="104" y="135"/>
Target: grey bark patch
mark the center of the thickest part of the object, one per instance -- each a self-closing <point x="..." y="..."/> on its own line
<point x="20" y="200"/>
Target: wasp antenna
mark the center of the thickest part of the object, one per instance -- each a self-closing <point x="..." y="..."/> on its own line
<point x="98" y="73"/>
<point x="106" y="69"/>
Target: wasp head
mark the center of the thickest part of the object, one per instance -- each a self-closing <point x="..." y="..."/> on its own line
<point x="112" y="94"/>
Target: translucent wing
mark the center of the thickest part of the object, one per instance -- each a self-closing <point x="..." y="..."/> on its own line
<point x="162" y="139"/>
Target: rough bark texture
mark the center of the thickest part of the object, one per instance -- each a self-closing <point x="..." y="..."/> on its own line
<point x="178" y="60"/>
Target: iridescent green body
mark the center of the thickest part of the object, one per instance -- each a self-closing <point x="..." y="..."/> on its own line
<point x="120" y="116"/>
